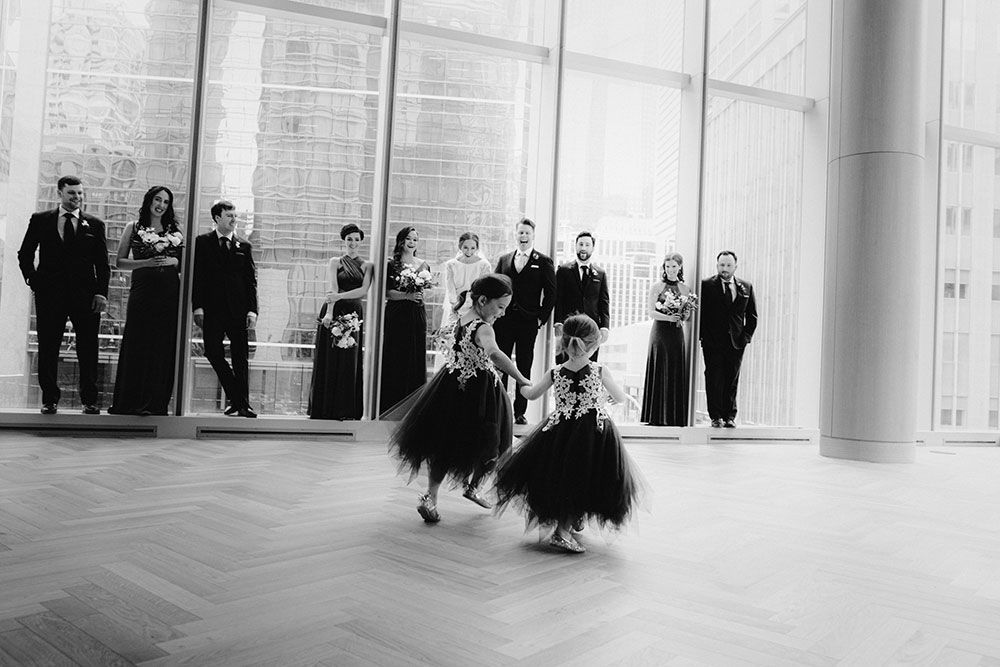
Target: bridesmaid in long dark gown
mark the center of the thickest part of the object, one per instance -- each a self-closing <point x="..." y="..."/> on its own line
<point x="145" y="379"/>
<point x="404" y="339"/>
<point x="337" y="385"/>
<point x="665" y="398"/>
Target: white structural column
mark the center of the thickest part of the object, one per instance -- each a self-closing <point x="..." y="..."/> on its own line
<point x="872" y="304"/>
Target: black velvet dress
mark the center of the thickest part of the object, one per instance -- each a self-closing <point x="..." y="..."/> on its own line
<point x="665" y="397"/>
<point x="461" y="419"/>
<point x="145" y="378"/>
<point x="404" y="345"/>
<point x="337" y="390"/>
<point x="573" y="464"/>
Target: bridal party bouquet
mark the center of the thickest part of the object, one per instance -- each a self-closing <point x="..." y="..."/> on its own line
<point x="161" y="244"/>
<point x="342" y="330"/>
<point x="682" y="305"/>
<point x="412" y="281"/>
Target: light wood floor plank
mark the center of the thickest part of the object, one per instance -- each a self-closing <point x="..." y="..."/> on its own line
<point x="288" y="554"/>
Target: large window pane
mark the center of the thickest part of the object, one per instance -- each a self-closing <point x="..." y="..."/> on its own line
<point x="968" y="316"/>
<point x="753" y="169"/>
<point x="644" y="32"/>
<point x="464" y="127"/>
<point x="759" y="44"/>
<point x="971" y="87"/>
<point x="520" y="20"/>
<point x="102" y="91"/>
<point x="618" y="180"/>
<point x="289" y="137"/>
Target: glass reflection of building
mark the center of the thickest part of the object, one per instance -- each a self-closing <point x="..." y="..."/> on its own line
<point x="290" y="126"/>
<point x="115" y="88"/>
<point x="752" y="201"/>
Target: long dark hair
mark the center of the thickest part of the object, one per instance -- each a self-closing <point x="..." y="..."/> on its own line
<point x="491" y="286"/>
<point x="675" y="256"/>
<point x="169" y="220"/>
<point x="397" y="251"/>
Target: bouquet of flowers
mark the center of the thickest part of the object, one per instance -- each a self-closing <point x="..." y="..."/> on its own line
<point x="342" y="329"/>
<point x="412" y="281"/>
<point x="682" y="305"/>
<point x="161" y="244"/>
<point x="444" y="338"/>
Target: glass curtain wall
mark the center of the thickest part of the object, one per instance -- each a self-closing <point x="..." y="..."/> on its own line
<point x="967" y="394"/>
<point x="104" y="91"/>
<point x="752" y="192"/>
<point x="289" y="137"/>
<point x="619" y="161"/>
<point x="290" y="133"/>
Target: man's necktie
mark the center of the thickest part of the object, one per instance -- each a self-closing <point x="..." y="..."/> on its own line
<point x="520" y="259"/>
<point x="224" y="245"/>
<point x="730" y="292"/>
<point x="69" y="234"/>
<point x="585" y="274"/>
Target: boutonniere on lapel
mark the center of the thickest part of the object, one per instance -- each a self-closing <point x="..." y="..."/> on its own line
<point x="741" y="290"/>
<point x="84" y="225"/>
<point x="236" y="244"/>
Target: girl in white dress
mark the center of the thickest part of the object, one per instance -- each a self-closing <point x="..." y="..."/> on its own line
<point x="459" y="274"/>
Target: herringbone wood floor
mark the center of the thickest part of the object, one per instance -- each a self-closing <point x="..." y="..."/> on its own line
<point x="171" y="552"/>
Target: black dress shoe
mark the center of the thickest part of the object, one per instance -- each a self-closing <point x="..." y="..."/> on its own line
<point x="247" y="412"/>
<point x="49" y="409"/>
<point x="520" y="420"/>
<point x="91" y="409"/>
<point x="231" y="410"/>
<point x="729" y="423"/>
<point x="716" y="423"/>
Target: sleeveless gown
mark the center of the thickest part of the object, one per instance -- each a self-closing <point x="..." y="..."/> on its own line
<point x="404" y="346"/>
<point x="145" y="377"/>
<point x="461" y="419"/>
<point x="573" y="464"/>
<point x="337" y="390"/>
<point x="665" y="397"/>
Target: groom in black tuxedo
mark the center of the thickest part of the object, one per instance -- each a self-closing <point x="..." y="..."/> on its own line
<point x="534" y="279"/>
<point x="728" y="321"/>
<point x="70" y="281"/>
<point x="582" y="288"/>
<point x="224" y="300"/>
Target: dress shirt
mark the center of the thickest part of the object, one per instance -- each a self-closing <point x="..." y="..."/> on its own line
<point x="62" y="221"/>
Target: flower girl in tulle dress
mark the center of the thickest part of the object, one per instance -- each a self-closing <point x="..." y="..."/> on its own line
<point x="462" y="420"/>
<point x="572" y="468"/>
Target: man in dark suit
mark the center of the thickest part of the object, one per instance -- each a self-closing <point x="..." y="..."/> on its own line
<point x="582" y="287"/>
<point x="728" y="321"/>
<point x="224" y="300"/>
<point x="70" y="281"/>
<point x="534" y="280"/>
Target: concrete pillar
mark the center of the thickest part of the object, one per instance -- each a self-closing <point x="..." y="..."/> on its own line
<point x="874" y="239"/>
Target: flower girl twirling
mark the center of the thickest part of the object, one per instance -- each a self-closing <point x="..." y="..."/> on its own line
<point x="462" y="420"/>
<point x="572" y="467"/>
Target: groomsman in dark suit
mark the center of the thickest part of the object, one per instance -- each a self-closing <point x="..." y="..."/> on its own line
<point x="70" y="281"/>
<point x="534" y="279"/>
<point x="728" y="321"/>
<point x="224" y="300"/>
<point x="582" y="287"/>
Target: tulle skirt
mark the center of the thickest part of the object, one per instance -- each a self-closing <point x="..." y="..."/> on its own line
<point x="454" y="430"/>
<point x="575" y="469"/>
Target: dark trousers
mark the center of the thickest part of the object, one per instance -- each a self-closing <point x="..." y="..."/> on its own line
<point x="235" y="380"/>
<point x="516" y="332"/>
<point x="51" y="313"/>
<point x="722" y="376"/>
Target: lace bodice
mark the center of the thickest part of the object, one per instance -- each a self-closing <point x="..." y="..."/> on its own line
<point x="577" y="393"/>
<point x="466" y="359"/>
